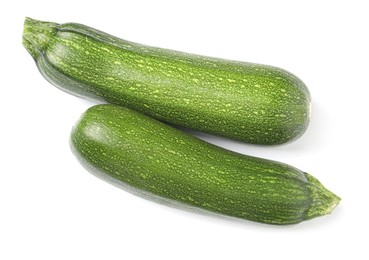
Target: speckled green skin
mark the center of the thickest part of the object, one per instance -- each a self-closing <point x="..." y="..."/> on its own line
<point x="127" y="147"/>
<point x="249" y="102"/>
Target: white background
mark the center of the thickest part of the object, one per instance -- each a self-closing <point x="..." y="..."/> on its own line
<point x="51" y="208"/>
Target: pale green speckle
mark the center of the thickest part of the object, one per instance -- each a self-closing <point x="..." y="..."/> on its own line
<point x="195" y="91"/>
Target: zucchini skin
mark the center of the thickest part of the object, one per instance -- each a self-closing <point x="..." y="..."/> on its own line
<point x="149" y="157"/>
<point x="248" y="102"/>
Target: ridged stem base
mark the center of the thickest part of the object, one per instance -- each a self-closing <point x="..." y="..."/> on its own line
<point x="322" y="202"/>
<point x="36" y="35"/>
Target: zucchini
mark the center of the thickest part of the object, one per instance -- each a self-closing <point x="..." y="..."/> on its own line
<point x="244" y="101"/>
<point x="155" y="160"/>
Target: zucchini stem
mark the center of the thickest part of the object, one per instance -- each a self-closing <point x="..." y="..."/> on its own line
<point x="322" y="201"/>
<point x="36" y="35"/>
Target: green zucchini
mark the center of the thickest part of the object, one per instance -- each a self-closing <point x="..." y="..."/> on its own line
<point x="161" y="162"/>
<point x="244" y="101"/>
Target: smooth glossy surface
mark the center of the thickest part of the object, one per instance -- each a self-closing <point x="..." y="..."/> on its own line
<point x="154" y="159"/>
<point x="249" y="102"/>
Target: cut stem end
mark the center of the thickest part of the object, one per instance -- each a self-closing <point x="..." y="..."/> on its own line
<point x="36" y="35"/>
<point x="323" y="201"/>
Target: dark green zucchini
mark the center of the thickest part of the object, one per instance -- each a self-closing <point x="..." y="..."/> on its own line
<point x="249" y="102"/>
<point x="157" y="160"/>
